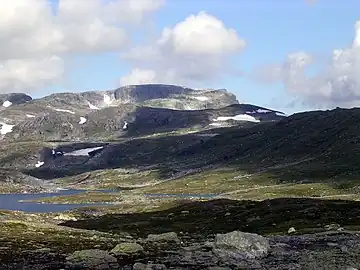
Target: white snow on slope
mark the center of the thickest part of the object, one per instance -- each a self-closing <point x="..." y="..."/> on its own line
<point x="39" y="164"/>
<point x="6" y="104"/>
<point x="125" y="126"/>
<point x="259" y="111"/>
<point x="30" y="116"/>
<point x="262" y="111"/>
<point x="92" y="106"/>
<point x="6" y="128"/>
<point x="239" y="117"/>
<point x="83" y="152"/>
<point x="82" y="120"/>
<point x="61" y="110"/>
<point x="215" y="124"/>
<point x="280" y="114"/>
<point x="202" y="98"/>
<point x="107" y="99"/>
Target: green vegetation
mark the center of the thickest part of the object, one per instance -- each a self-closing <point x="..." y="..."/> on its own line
<point x="14" y="154"/>
<point x="22" y="236"/>
<point x="110" y="179"/>
<point x="213" y="181"/>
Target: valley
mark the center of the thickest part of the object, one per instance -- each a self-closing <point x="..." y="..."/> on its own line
<point x="191" y="175"/>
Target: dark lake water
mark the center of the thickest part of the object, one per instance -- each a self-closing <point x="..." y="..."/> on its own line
<point x="13" y="201"/>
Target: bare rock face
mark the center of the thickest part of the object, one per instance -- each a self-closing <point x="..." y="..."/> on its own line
<point x="6" y="100"/>
<point x="174" y="97"/>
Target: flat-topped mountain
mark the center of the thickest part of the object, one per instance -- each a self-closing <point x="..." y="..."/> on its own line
<point x="127" y="111"/>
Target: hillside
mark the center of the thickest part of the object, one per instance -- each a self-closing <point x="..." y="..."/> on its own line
<point x="303" y="147"/>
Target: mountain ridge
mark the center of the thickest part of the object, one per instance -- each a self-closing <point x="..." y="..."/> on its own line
<point x="146" y="109"/>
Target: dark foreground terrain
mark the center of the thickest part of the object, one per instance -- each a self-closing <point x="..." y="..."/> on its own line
<point x="216" y="234"/>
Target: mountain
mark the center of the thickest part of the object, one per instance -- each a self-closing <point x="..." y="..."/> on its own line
<point x="146" y="109"/>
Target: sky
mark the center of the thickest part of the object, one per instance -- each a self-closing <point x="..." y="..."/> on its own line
<point x="286" y="55"/>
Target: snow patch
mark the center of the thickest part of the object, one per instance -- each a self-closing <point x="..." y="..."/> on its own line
<point x="260" y="111"/>
<point x="107" y="99"/>
<point x="239" y="117"/>
<point x="6" y="128"/>
<point x="61" y="110"/>
<point x="263" y="111"/>
<point x="215" y="124"/>
<point x="125" y="126"/>
<point x="83" y="152"/>
<point x="30" y="116"/>
<point x="202" y="98"/>
<point x="7" y="103"/>
<point x="93" y="107"/>
<point x="39" y="164"/>
<point x="280" y="114"/>
<point x="82" y="120"/>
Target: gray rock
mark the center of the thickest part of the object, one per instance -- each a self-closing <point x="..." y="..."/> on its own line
<point x="241" y="245"/>
<point x="142" y="266"/>
<point x="129" y="249"/>
<point x="94" y="259"/>
<point x="169" y="237"/>
<point x="218" y="268"/>
<point x="332" y="227"/>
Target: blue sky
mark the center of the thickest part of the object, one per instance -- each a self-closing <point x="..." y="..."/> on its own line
<point x="272" y="29"/>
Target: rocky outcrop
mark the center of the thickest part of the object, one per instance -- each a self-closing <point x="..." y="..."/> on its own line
<point x="91" y="259"/>
<point x="7" y="100"/>
<point x="333" y="250"/>
<point x="174" y="97"/>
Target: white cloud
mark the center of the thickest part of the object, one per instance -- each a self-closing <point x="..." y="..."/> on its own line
<point x="138" y="76"/>
<point x="35" y="41"/>
<point x="202" y="35"/>
<point x="19" y="75"/>
<point x="196" y="50"/>
<point x="336" y="84"/>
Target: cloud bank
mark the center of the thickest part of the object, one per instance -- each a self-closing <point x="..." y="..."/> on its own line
<point x="193" y="51"/>
<point x="337" y="83"/>
<point x="36" y="37"/>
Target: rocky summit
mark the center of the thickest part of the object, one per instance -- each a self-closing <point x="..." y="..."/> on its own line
<point x="167" y="177"/>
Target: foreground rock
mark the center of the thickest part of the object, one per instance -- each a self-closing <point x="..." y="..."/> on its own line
<point x="235" y="246"/>
<point x="91" y="259"/>
<point x="234" y="250"/>
<point x="218" y="234"/>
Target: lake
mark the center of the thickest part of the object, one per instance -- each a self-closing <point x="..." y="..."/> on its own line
<point x="12" y="202"/>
